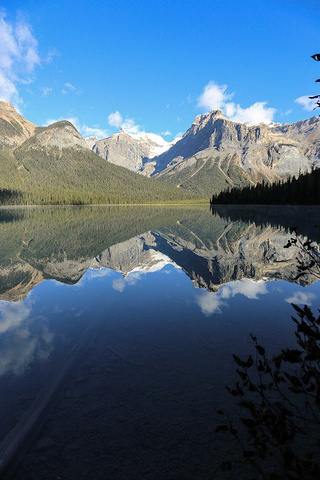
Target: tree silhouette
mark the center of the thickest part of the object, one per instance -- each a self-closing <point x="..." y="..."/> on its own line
<point x="316" y="57"/>
<point x="278" y="429"/>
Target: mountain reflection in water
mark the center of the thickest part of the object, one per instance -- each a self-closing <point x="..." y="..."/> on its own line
<point x="149" y="352"/>
<point x="63" y="243"/>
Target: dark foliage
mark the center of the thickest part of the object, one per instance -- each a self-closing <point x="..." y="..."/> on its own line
<point x="303" y="190"/>
<point x="10" y="196"/>
<point x="278" y="428"/>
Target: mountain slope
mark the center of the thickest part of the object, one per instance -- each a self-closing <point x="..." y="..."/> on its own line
<point x="14" y="129"/>
<point x="216" y="153"/>
<point x="55" y="166"/>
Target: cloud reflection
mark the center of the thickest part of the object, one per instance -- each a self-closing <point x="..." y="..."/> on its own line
<point x="301" y="298"/>
<point x="119" y="284"/>
<point x="22" y="341"/>
<point x="211" y="302"/>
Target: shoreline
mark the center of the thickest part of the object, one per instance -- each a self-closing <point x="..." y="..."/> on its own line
<point x="109" y="205"/>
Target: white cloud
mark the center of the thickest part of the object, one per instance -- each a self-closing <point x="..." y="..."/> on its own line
<point x="84" y="129"/>
<point x="213" y="97"/>
<point x="301" y="298"/>
<point x="46" y="91"/>
<point x="69" y="88"/>
<point x="54" y="52"/>
<point x="115" y="119"/>
<point x="130" y="126"/>
<point x="93" y="132"/>
<point x="216" y="97"/>
<point x="306" y="103"/>
<point x="18" y="57"/>
<point x="256" y="113"/>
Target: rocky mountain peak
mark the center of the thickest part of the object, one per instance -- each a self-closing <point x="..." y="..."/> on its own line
<point x="14" y="128"/>
<point x="201" y="121"/>
<point x="132" y="150"/>
<point x="216" y="147"/>
<point x="6" y="106"/>
<point x="62" y="134"/>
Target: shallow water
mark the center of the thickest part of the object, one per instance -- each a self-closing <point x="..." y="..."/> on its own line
<point x="123" y="321"/>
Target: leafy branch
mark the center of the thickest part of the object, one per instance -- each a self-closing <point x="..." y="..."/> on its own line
<point x="279" y="397"/>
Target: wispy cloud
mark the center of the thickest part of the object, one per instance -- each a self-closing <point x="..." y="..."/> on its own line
<point x="301" y="298"/>
<point x="69" y="88"/>
<point x="306" y="103"/>
<point x="212" y="302"/>
<point x="46" y="91"/>
<point x="21" y="342"/>
<point x="19" y="57"/>
<point x="119" y="284"/>
<point x="54" y="52"/>
<point x="115" y="119"/>
<point x="216" y="97"/>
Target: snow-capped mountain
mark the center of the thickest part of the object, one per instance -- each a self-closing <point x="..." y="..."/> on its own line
<point x="132" y="150"/>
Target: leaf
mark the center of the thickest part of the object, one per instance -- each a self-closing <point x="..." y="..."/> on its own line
<point x="226" y="466"/>
<point x="249" y="454"/>
<point x="220" y="412"/>
<point x="248" y="422"/>
<point x="242" y="375"/>
<point x="260" y="350"/>
<point x="292" y="356"/>
<point x="221" y="428"/>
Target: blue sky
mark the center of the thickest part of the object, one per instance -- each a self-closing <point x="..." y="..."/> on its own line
<point x="154" y="65"/>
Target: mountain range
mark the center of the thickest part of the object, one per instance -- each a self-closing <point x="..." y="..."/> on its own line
<point x="54" y="165"/>
<point x="45" y="164"/>
<point x="216" y="153"/>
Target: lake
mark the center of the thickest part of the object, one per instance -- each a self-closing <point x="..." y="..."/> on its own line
<point x="117" y="329"/>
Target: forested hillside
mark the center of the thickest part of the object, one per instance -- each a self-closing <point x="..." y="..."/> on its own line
<point x="76" y="176"/>
<point x="304" y="190"/>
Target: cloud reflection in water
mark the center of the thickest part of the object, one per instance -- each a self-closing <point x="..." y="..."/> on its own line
<point x="22" y="341"/>
<point x="211" y="302"/>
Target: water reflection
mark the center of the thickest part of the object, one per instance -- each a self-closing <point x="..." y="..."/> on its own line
<point x="212" y="302"/>
<point x="62" y="244"/>
<point x="110" y="289"/>
<point x="23" y="342"/>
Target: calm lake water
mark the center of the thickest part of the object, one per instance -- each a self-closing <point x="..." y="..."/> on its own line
<point x="117" y="328"/>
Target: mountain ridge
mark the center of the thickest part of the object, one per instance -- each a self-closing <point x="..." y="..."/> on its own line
<point x="213" y="154"/>
<point x="55" y="166"/>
